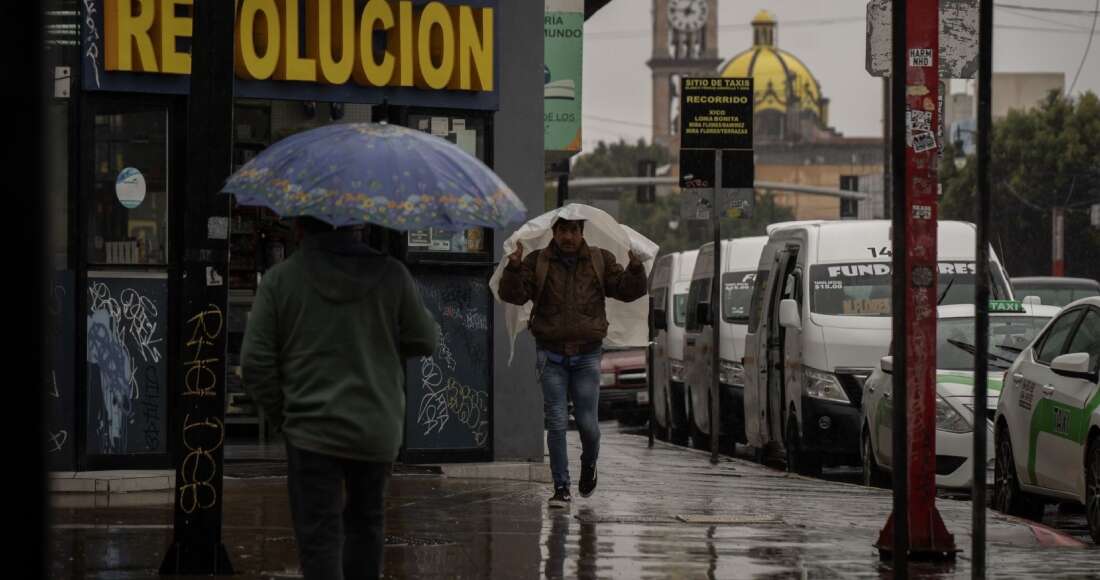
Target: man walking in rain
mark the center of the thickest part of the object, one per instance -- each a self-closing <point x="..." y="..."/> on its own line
<point x="324" y="355"/>
<point x="568" y="282"/>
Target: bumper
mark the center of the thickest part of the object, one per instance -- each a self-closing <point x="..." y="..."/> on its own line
<point x="830" y="429"/>
<point x="614" y="399"/>
<point x="955" y="459"/>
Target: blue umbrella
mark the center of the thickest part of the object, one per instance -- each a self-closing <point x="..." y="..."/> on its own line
<point x="356" y="173"/>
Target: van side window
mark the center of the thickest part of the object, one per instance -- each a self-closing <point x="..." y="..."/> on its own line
<point x="698" y="294"/>
<point x="658" y="299"/>
<point x="756" y="307"/>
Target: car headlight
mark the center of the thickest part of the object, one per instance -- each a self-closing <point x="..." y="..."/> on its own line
<point x="607" y="379"/>
<point x="676" y="370"/>
<point x="732" y="373"/>
<point x="823" y="385"/>
<point x="950" y="420"/>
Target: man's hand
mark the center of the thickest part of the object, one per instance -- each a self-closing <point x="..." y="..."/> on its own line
<point x="634" y="261"/>
<point x="516" y="257"/>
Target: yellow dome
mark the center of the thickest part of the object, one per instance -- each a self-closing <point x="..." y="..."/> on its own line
<point x="764" y="17"/>
<point x="772" y="70"/>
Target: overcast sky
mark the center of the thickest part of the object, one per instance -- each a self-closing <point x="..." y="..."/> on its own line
<point x="618" y="42"/>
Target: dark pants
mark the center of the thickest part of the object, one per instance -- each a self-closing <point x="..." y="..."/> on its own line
<point x="337" y="506"/>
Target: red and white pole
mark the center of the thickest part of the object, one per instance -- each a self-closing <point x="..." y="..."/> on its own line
<point x="927" y="536"/>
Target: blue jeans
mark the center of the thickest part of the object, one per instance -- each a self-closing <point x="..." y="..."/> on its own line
<point x="562" y="378"/>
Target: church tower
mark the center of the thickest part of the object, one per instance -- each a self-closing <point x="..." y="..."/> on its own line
<point x="685" y="43"/>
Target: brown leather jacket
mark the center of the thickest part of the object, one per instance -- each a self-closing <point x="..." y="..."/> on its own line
<point x="570" y="316"/>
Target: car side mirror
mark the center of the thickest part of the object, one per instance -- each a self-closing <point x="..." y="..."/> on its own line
<point x="788" y="314"/>
<point x="887" y="364"/>
<point x="1032" y="300"/>
<point x="1075" y="366"/>
<point x="660" y="320"/>
<point x="702" y="313"/>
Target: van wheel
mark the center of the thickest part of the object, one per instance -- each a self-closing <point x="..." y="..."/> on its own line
<point x="699" y="440"/>
<point x="663" y="432"/>
<point x="873" y="475"/>
<point x="1007" y="496"/>
<point x="797" y="460"/>
<point x="1092" y="488"/>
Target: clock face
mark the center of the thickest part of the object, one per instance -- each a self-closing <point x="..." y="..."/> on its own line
<point x="687" y="15"/>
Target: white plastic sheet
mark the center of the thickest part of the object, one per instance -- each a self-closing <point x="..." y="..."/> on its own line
<point x="628" y="323"/>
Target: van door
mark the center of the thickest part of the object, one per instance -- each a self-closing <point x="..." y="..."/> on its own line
<point x="792" y="342"/>
<point x="756" y="373"/>
<point x="775" y="344"/>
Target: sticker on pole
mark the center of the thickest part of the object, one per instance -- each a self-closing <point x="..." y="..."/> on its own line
<point x="924" y="142"/>
<point x="920" y="57"/>
<point x="130" y="187"/>
<point x="919" y="120"/>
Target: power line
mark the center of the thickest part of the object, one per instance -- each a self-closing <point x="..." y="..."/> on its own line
<point x="1085" y="56"/>
<point x="618" y="121"/>
<point x="1044" y="9"/>
<point x="1029" y="16"/>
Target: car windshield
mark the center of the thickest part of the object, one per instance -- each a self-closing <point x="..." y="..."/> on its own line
<point x="736" y="295"/>
<point x="679" y="306"/>
<point x="1053" y="296"/>
<point x="863" y="289"/>
<point x="1008" y="337"/>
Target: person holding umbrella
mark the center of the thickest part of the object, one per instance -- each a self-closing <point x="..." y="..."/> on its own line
<point x="331" y="327"/>
<point x="567" y="282"/>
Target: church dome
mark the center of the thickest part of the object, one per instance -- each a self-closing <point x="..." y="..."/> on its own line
<point x="777" y="74"/>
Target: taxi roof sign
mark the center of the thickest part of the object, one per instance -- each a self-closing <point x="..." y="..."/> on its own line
<point x="1006" y="306"/>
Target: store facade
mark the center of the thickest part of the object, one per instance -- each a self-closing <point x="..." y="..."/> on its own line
<point x="459" y="69"/>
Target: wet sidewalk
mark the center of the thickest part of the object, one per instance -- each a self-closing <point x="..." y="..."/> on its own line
<point x="658" y="513"/>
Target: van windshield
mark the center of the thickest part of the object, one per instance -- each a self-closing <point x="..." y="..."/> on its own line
<point x="679" y="309"/>
<point x="737" y="295"/>
<point x="863" y="289"/>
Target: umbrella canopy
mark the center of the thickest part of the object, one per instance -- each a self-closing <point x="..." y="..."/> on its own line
<point x="628" y="322"/>
<point x="356" y="173"/>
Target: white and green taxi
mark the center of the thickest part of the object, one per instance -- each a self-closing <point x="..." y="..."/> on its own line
<point x="1012" y="326"/>
<point x="1048" y="419"/>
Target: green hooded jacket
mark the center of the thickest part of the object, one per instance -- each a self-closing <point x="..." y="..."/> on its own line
<point x="325" y="347"/>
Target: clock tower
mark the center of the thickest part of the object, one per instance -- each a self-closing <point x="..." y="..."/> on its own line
<point x="685" y="43"/>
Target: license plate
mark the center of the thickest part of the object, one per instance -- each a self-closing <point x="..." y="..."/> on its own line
<point x="643" y="398"/>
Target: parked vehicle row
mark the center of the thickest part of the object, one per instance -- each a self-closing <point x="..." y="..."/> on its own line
<point x="805" y="362"/>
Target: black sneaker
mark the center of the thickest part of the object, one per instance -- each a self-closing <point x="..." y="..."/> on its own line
<point x="561" y="498"/>
<point x="588" y="480"/>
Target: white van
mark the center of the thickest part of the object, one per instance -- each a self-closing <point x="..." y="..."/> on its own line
<point x="668" y="296"/>
<point x="819" y="323"/>
<point x="740" y="259"/>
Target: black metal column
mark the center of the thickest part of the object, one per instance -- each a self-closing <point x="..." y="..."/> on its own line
<point x="198" y="414"/>
<point x="900" y="243"/>
<point x="981" y="291"/>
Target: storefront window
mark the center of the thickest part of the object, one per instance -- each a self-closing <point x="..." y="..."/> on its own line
<point x="129" y="205"/>
<point x="469" y="134"/>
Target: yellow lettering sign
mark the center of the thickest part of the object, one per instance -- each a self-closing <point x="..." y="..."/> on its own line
<point x="435" y="43"/>
<point x="292" y="67"/>
<point x="434" y="46"/>
<point x="377" y="15"/>
<point x="258" y="40"/>
<point x="167" y="29"/>
<point x="127" y="28"/>
<point x="330" y="39"/>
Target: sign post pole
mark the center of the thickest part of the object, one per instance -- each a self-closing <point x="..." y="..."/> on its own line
<point x="716" y="153"/>
<point x="917" y="79"/>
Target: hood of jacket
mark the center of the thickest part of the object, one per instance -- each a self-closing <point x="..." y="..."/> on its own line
<point x="342" y="268"/>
